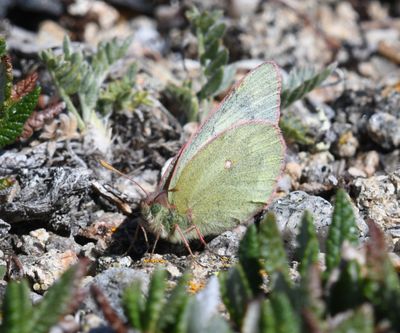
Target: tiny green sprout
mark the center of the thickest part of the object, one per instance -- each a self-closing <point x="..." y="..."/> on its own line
<point x="6" y="183"/>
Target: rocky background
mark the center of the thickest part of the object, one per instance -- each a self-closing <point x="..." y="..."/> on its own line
<point x="57" y="210"/>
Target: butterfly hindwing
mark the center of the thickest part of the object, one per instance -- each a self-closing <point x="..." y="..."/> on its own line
<point x="231" y="177"/>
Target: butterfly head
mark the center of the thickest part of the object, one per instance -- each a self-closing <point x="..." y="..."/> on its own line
<point x="157" y="212"/>
<point x="161" y="217"/>
<point x="154" y="214"/>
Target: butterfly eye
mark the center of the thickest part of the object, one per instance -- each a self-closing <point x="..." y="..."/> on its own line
<point x="155" y="209"/>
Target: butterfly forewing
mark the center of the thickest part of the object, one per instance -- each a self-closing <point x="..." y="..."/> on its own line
<point x="231" y="177"/>
<point x="256" y="97"/>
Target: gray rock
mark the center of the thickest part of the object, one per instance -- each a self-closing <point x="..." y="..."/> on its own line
<point x="141" y="6"/>
<point x="112" y="282"/>
<point x="12" y="161"/>
<point x="371" y="114"/>
<point x="384" y="130"/>
<point x="104" y="329"/>
<point x="59" y="243"/>
<point x="347" y="144"/>
<point x="320" y="172"/>
<point x="315" y="122"/>
<point x="104" y="263"/>
<point x="360" y="121"/>
<point x="227" y="244"/>
<point x="379" y="199"/>
<point x="237" y="8"/>
<point x="46" y="192"/>
<point x="263" y="35"/>
<point x="146" y="34"/>
<point x="54" y="7"/>
<point x="375" y="36"/>
<point x="34" y="298"/>
<point x="290" y="209"/>
<point x="31" y="246"/>
<point x="4" y="228"/>
<point x="4" y="6"/>
<point x="391" y="161"/>
<point x="43" y="270"/>
<point x="40" y="241"/>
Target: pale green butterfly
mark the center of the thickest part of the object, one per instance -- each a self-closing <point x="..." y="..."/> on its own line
<point x="228" y="171"/>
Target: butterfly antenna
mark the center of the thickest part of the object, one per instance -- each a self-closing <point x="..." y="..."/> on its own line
<point x="160" y="194"/>
<point x="111" y="168"/>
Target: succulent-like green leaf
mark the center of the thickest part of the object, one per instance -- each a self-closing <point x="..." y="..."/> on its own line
<point x="155" y="301"/>
<point x="219" y="61"/>
<point x="343" y="228"/>
<point x="134" y="303"/>
<point x="120" y="95"/>
<point x="174" y="311"/>
<point x="382" y="285"/>
<point x="361" y="321"/>
<point x="301" y="81"/>
<point x="17" y="309"/>
<point x="249" y="258"/>
<point x="346" y="292"/>
<point x="212" y="84"/>
<point x="227" y="80"/>
<point x="308" y="250"/>
<point x="216" y="32"/>
<point x="278" y="315"/>
<point x="236" y="293"/>
<point x="73" y="73"/>
<point x="202" y="20"/>
<point x="294" y="131"/>
<point x="210" y="52"/>
<point x="182" y="102"/>
<point x="212" y="55"/>
<point x="19" y="315"/>
<point x="56" y="301"/>
<point x="308" y="296"/>
<point x="272" y="252"/>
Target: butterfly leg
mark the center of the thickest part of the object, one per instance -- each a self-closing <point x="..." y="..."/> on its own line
<point x="198" y="232"/>
<point x="201" y="238"/>
<point x="146" y="239"/>
<point x="135" y="238"/>
<point x="186" y="243"/>
<point x="155" y="244"/>
<point x="193" y="226"/>
<point x="184" y="240"/>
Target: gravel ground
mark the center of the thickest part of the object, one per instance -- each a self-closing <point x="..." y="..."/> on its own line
<point x="63" y="205"/>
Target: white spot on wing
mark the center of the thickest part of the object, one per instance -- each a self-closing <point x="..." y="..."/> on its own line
<point x="228" y="164"/>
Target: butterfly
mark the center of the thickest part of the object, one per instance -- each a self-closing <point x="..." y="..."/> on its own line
<point x="228" y="170"/>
